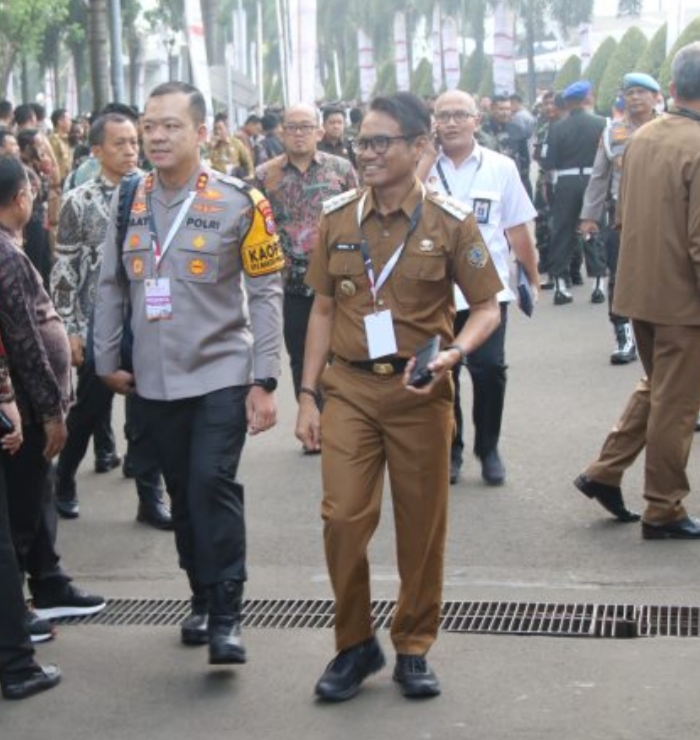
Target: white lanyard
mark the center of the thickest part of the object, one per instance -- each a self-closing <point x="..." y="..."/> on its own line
<point x="158" y="250"/>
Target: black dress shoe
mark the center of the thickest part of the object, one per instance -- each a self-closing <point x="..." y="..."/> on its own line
<point x="155" y="514"/>
<point x="492" y="469"/>
<point x="609" y="497"/>
<point x="597" y="296"/>
<point x="547" y="285"/>
<point x="67" y="508"/>
<point x="562" y="299"/>
<point x="42" y="678"/>
<point x="345" y="673"/>
<point x="415" y="677"/>
<point x="193" y="630"/>
<point x="685" y="529"/>
<point x="105" y="463"/>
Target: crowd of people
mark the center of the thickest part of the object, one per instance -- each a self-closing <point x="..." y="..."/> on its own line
<point x="170" y="265"/>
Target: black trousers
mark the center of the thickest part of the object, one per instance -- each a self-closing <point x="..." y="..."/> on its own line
<point x="198" y="443"/>
<point x="16" y="651"/>
<point x="612" y="253"/>
<point x="31" y="509"/>
<point x="297" y="309"/>
<point x="487" y="368"/>
<point x="91" y="415"/>
<point x="566" y="210"/>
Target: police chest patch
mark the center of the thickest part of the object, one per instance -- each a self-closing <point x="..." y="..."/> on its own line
<point x="478" y="256"/>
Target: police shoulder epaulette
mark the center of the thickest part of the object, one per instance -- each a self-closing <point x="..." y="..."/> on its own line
<point x="453" y="206"/>
<point x="340" y="200"/>
<point x="235" y="181"/>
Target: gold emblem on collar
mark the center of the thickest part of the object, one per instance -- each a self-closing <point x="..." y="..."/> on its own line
<point x="348" y="288"/>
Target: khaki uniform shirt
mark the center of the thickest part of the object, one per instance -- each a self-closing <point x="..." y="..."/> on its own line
<point x="224" y="269"/>
<point x="658" y="274"/>
<point x="63" y="154"/>
<point x="445" y="248"/>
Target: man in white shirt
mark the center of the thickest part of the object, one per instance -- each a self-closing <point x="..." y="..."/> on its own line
<point x="490" y="183"/>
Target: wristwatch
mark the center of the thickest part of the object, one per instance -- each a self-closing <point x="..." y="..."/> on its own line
<point x="267" y="384"/>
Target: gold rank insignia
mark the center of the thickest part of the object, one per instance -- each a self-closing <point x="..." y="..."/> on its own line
<point x="197" y="267"/>
<point x="207" y="208"/>
<point x="478" y="256"/>
<point x="199" y="242"/>
<point x="202" y="181"/>
<point x="134" y="241"/>
<point x="138" y="207"/>
<point x="211" y="194"/>
<point x="347" y="288"/>
<point x="137" y="266"/>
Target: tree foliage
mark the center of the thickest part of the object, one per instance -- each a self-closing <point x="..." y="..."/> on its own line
<point x="653" y="56"/>
<point x="624" y="60"/>
<point x="690" y="33"/>
<point x="570" y="72"/>
<point x="599" y="61"/>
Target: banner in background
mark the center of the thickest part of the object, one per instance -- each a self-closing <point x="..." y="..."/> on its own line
<point x="584" y="35"/>
<point x="436" y="44"/>
<point x="401" y="52"/>
<point x="194" y="31"/>
<point x="503" y="49"/>
<point x="450" y="52"/>
<point x="302" y="51"/>
<point x="368" y="72"/>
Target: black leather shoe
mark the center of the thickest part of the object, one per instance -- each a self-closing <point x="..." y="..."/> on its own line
<point x="415" y="677"/>
<point x="547" y="285"/>
<point x="105" y="463"/>
<point x="609" y="497"/>
<point x="685" y="529"/>
<point x="67" y="508"/>
<point x="345" y="673"/>
<point x="193" y="630"/>
<point x="562" y="299"/>
<point x="492" y="469"/>
<point x="155" y="514"/>
<point x="225" y="641"/>
<point x="597" y="296"/>
<point x="43" y="678"/>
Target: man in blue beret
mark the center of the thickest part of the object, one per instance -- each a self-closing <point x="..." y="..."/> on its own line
<point x="571" y="150"/>
<point x="639" y="92"/>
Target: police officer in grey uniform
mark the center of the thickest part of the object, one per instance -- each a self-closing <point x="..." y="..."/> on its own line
<point x="200" y="270"/>
<point x="571" y="150"/>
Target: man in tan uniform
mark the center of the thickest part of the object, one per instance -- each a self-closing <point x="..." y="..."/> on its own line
<point x="383" y="271"/>
<point x="658" y="287"/>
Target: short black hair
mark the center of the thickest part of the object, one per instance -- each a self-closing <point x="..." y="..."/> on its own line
<point x="332" y="110"/>
<point x="39" y="111"/>
<point x="99" y="125"/>
<point x="355" y="116"/>
<point x="221" y="116"/>
<point x="198" y="106"/>
<point x="130" y="111"/>
<point x="13" y="177"/>
<point x="270" y="122"/>
<point x="407" y="109"/>
<point x="24" y="113"/>
<point x="6" y="108"/>
<point x="252" y="119"/>
<point x="57" y="115"/>
<point x="500" y="99"/>
<point x="516" y="98"/>
<point x="26" y="138"/>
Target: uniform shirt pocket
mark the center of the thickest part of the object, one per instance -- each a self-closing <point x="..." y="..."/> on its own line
<point x="347" y="269"/>
<point x="421" y="278"/>
<point x="138" y="263"/>
<point x="199" y="263"/>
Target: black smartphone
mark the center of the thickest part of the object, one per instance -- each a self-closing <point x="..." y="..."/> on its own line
<point x="420" y="375"/>
<point x="6" y="425"/>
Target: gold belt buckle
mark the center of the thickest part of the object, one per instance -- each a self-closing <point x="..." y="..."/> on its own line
<point x="383" y="368"/>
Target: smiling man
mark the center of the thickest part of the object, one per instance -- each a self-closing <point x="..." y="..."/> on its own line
<point x="383" y="270"/>
<point x="199" y="270"/>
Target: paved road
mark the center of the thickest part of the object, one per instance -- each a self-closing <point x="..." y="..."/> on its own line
<point x="534" y="540"/>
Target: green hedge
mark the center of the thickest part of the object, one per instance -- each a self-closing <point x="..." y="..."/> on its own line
<point x="599" y="61"/>
<point x="690" y="33"/>
<point x="631" y="47"/>
<point x="570" y="72"/>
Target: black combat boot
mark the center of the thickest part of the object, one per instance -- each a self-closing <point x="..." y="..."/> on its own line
<point x="193" y="629"/>
<point x="224" y="629"/>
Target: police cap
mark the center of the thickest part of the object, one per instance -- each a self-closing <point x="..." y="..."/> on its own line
<point x="640" y="79"/>
<point x="578" y="90"/>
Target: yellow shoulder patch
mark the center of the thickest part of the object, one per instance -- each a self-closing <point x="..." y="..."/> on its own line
<point x="453" y="206"/>
<point x="261" y="251"/>
<point x="340" y="200"/>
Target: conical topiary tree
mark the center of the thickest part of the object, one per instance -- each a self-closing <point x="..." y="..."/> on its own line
<point x="570" y="72"/>
<point x="655" y="53"/>
<point x="486" y="86"/>
<point x="351" y="84"/>
<point x="386" y="79"/>
<point x="690" y="33"/>
<point x="422" y="82"/>
<point x="472" y="73"/>
<point x="599" y="61"/>
<point x="624" y="60"/>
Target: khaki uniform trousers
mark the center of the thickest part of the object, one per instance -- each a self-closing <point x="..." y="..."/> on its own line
<point x="369" y="423"/>
<point x="660" y="414"/>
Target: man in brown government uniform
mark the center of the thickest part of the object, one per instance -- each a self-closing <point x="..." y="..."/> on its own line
<point x="383" y="270"/>
<point x="658" y="287"/>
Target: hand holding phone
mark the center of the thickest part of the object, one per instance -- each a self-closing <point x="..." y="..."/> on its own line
<point x="420" y="374"/>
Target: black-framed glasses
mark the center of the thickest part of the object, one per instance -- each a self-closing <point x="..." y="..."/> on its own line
<point x="299" y="128"/>
<point x="458" y="116"/>
<point x="378" y="144"/>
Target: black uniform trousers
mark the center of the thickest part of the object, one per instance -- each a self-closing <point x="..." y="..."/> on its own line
<point x="297" y="309"/>
<point x="16" y="651"/>
<point x="90" y="415"/>
<point x="198" y="443"/>
<point x="612" y="253"/>
<point x="31" y="509"/>
<point x="566" y="211"/>
<point x="487" y="368"/>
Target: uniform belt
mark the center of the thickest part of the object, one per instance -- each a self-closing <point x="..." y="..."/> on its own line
<point x="575" y="171"/>
<point x="385" y="368"/>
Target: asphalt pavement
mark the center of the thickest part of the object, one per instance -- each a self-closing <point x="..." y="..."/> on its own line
<point x="534" y="540"/>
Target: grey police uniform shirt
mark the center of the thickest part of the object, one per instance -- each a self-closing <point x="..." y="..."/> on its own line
<point x="224" y="270"/>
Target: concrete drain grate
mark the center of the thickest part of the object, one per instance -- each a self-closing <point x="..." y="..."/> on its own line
<point x="485" y="617"/>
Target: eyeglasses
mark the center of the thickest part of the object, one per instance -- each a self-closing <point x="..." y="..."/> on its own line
<point x="458" y="116"/>
<point x="378" y="144"/>
<point x="298" y="128"/>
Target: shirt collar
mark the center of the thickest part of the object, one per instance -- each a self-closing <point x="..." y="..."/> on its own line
<point x="477" y="154"/>
<point x="415" y="195"/>
<point x="286" y="164"/>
